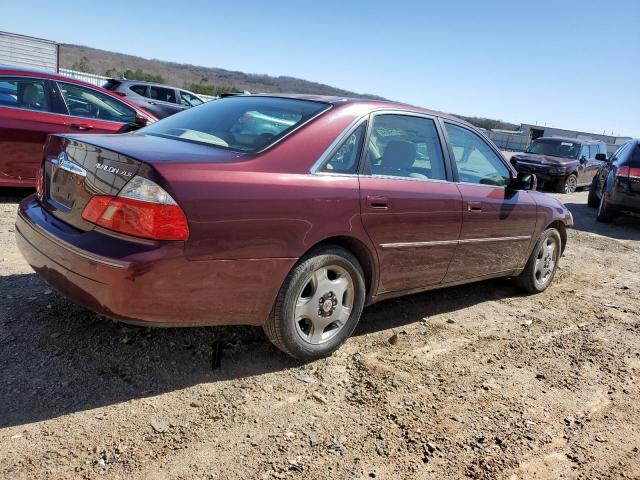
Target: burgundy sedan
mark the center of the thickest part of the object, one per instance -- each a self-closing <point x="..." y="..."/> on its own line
<point x="35" y="104"/>
<point x="289" y="212"/>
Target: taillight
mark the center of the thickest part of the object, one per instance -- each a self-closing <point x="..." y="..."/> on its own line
<point x="39" y="182"/>
<point x="627" y="171"/>
<point x="142" y="209"/>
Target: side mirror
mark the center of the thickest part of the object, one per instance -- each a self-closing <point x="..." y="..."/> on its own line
<point x="601" y="157"/>
<point x="524" y="181"/>
<point x="583" y="159"/>
<point x="141" y="121"/>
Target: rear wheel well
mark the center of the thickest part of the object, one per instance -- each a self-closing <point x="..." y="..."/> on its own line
<point x="360" y="251"/>
<point x="560" y="226"/>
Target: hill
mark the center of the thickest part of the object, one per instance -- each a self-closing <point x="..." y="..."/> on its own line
<point x="206" y="79"/>
<point x="210" y="81"/>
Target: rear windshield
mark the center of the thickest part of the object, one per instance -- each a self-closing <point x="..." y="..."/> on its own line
<point x="244" y="124"/>
<point x="110" y="84"/>
<point x="555" y="148"/>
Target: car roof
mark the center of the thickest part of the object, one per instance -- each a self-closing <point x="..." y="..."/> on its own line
<point x="373" y="103"/>
<point x="570" y="139"/>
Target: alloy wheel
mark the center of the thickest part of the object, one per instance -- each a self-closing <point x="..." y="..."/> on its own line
<point x="546" y="260"/>
<point x="324" y="304"/>
<point x="570" y="184"/>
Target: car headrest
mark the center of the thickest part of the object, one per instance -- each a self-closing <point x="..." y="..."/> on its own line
<point x="398" y="154"/>
<point x="31" y="95"/>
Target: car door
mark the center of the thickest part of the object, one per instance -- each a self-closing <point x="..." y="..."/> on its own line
<point x="583" y="165"/>
<point x="592" y="166"/>
<point x="409" y="208"/>
<point x="497" y="222"/>
<point x="27" y="116"/>
<point x="164" y="100"/>
<point x="93" y="111"/>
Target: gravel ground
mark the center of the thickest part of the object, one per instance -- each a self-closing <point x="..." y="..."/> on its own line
<point x="483" y="382"/>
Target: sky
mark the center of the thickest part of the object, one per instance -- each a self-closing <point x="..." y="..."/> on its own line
<point x="564" y="63"/>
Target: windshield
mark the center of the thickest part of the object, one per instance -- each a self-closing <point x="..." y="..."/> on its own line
<point x="555" y="148"/>
<point x="244" y="124"/>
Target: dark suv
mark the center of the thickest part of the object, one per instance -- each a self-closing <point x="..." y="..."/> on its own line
<point x="560" y="163"/>
<point x="161" y="100"/>
<point x="616" y="186"/>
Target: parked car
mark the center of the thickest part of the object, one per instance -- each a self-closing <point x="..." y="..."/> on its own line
<point x="616" y="186"/>
<point x="294" y="222"/>
<point x="161" y="100"/>
<point x="35" y="104"/>
<point x="560" y="163"/>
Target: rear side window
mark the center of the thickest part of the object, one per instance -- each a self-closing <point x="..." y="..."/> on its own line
<point x="24" y="93"/>
<point x="244" y="124"/>
<point x="139" y="89"/>
<point x="345" y="159"/>
<point x="89" y="103"/>
<point x="163" y="94"/>
<point x="405" y="146"/>
<point x="111" y="84"/>
<point x="634" y="158"/>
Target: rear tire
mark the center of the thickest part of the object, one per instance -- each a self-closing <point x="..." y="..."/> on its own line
<point x="542" y="264"/>
<point x="318" y="305"/>
<point x="606" y="213"/>
<point x="567" y="185"/>
<point x="592" y="200"/>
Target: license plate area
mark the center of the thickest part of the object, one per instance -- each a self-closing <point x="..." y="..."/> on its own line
<point x="65" y="183"/>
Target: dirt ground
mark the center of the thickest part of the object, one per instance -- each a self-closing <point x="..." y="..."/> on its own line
<point x="483" y="382"/>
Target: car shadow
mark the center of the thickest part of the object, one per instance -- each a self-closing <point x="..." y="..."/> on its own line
<point x="14" y="195"/>
<point x="58" y="358"/>
<point x="623" y="227"/>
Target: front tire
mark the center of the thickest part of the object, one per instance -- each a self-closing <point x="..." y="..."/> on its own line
<point x="542" y="264"/>
<point x="592" y="199"/>
<point x="319" y="304"/>
<point x="605" y="213"/>
<point x="568" y="184"/>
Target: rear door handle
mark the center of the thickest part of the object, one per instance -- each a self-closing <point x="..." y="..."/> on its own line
<point x="377" y="202"/>
<point x="474" y="206"/>
<point x="80" y="126"/>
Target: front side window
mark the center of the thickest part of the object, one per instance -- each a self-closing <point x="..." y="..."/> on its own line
<point x="188" y="100"/>
<point x="555" y="148"/>
<point x="345" y="159"/>
<point x="584" y="151"/>
<point x="405" y="146"/>
<point x="163" y="94"/>
<point x="24" y="93"/>
<point x="244" y="124"/>
<point x="88" y="103"/>
<point x="475" y="159"/>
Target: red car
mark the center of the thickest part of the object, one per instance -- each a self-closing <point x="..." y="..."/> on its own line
<point x="35" y="104"/>
<point x="290" y="212"/>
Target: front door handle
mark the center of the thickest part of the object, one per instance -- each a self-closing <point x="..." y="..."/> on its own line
<point x="377" y="202"/>
<point x="474" y="206"/>
<point x="80" y="126"/>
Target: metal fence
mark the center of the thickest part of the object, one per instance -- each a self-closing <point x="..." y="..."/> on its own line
<point x="99" y="80"/>
<point x="514" y="141"/>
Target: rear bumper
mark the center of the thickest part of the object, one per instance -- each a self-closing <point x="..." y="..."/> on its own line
<point x="626" y="201"/>
<point x="146" y="282"/>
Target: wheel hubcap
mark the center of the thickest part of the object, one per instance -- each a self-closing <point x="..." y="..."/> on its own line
<point x="324" y="304"/>
<point x="546" y="261"/>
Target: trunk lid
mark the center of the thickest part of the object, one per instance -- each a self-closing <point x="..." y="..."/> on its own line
<point x="74" y="171"/>
<point x="79" y="167"/>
